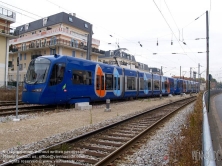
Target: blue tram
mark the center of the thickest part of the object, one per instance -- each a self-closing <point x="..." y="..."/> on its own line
<point x="56" y="79"/>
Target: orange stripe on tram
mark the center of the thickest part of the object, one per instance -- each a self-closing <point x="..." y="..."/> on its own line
<point x="100" y="82"/>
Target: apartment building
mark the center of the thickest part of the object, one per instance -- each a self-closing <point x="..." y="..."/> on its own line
<point x="122" y="58"/>
<point x="7" y="17"/>
<point x="62" y="33"/>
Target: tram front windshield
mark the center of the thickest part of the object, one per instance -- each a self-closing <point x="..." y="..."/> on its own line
<point x="37" y="71"/>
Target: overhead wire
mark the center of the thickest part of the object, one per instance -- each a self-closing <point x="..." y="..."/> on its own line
<point x="183" y="27"/>
<point x="168" y="25"/>
<point x="22" y="10"/>
<point x="170" y="28"/>
<point x="210" y="13"/>
<point x="173" y="18"/>
<point x="37" y="15"/>
<point x="134" y="42"/>
<point x="105" y="29"/>
<point x="175" y="24"/>
<point x="18" y="11"/>
<point x="43" y="17"/>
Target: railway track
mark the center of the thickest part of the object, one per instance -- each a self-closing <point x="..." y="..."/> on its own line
<point x="5" y="110"/>
<point x="25" y="109"/>
<point x="102" y="146"/>
<point x="9" y="103"/>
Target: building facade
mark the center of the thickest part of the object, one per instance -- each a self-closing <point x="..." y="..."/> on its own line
<point x="122" y="58"/>
<point x="7" y="17"/>
<point x="62" y="33"/>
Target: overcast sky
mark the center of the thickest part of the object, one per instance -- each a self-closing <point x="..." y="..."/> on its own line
<point x="148" y="22"/>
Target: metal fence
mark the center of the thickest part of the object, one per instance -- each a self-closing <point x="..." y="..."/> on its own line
<point x="208" y="152"/>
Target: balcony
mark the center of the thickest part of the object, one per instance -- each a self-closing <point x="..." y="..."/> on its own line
<point x="7" y="15"/>
<point x="57" y="42"/>
<point x="7" y="34"/>
<point x="54" y="32"/>
<point x="11" y="49"/>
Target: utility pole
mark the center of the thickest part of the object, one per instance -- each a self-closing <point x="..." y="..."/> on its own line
<point x="207" y="76"/>
<point x="190" y="73"/>
<point x="17" y="85"/>
<point x="180" y="72"/>
<point x="89" y="43"/>
<point x="161" y="70"/>
<point x="161" y="77"/>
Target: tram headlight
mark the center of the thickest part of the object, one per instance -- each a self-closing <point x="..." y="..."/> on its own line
<point x="37" y="90"/>
<point x="24" y="90"/>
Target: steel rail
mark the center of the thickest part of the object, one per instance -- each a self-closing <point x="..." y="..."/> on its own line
<point x="88" y="134"/>
<point x="111" y="157"/>
<point x="26" y="109"/>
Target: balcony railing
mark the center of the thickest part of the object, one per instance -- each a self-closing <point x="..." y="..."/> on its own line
<point x="5" y="13"/>
<point x="6" y="32"/>
<point x="50" y="33"/>
<point x="54" y="43"/>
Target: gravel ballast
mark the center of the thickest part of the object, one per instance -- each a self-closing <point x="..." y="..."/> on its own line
<point x="155" y="150"/>
<point x="38" y="131"/>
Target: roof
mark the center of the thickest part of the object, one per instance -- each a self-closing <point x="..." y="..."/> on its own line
<point x="55" y="19"/>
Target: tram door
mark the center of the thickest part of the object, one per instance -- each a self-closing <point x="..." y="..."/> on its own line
<point x="167" y="85"/>
<point x="116" y="83"/>
<point x="57" y="85"/>
<point x="100" y="83"/>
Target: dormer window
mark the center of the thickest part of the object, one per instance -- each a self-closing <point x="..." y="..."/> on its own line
<point x="45" y="21"/>
<point x="86" y="25"/>
<point x="26" y="27"/>
<point x="70" y="19"/>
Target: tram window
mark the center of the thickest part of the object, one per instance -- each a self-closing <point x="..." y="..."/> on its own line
<point x="97" y="82"/>
<point x="181" y="84"/>
<point x="102" y="82"/>
<point x="156" y="85"/>
<point x="109" y="82"/>
<point x="131" y="83"/>
<point x="141" y="84"/>
<point x="166" y="84"/>
<point x="175" y="84"/>
<point x="149" y="84"/>
<point x="118" y="83"/>
<point x="81" y="77"/>
<point x="145" y="84"/>
<point x="57" y="74"/>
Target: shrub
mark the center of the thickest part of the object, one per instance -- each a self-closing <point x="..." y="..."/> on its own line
<point x="10" y="94"/>
<point x="189" y="140"/>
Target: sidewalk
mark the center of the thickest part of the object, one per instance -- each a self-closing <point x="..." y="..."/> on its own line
<point x="215" y="122"/>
